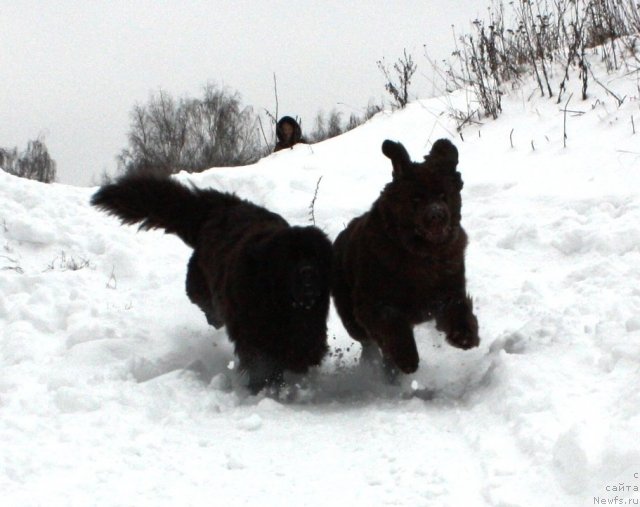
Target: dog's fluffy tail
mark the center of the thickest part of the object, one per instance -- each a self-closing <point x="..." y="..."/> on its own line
<point x="161" y="203"/>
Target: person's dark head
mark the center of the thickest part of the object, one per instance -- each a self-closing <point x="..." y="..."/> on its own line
<point x="288" y="131"/>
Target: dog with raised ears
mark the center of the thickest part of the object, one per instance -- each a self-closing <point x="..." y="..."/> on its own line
<point x="266" y="281"/>
<point x="402" y="262"/>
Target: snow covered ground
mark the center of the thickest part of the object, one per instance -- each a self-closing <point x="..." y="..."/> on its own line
<point x="115" y="391"/>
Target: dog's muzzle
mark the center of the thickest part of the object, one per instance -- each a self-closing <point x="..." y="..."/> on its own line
<point x="434" y="224"/>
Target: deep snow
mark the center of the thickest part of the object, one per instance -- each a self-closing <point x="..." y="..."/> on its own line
<point x="115" y="391"/>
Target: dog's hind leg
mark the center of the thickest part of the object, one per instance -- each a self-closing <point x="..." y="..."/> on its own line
<point x="199" y="294"/>
<point x="371" y="354"/>
<point x="263" y="370"/>
<point x="342" y="300"/>
<point x="264" y="373"/>
<point x="393" y="333"/>
<point x="213" y="312"/>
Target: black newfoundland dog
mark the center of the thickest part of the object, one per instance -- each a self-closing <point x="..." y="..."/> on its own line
<point x="250" y="270"/>
<point x="402" y="262"/>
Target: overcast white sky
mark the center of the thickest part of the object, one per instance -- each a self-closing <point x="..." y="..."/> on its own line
<point x="72" y="70"/>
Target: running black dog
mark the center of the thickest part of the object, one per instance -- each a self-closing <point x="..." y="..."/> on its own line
<point x="250" y="270"/>
<point x="402" y="262"/>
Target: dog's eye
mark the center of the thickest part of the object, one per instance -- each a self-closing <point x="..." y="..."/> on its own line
<point x="442" y="197"/>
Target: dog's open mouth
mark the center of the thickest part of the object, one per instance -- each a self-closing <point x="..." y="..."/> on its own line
<point x="434" y="233"/>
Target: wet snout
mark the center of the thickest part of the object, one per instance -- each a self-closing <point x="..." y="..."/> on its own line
<point x="437" y="213"/>
<point x="434" y="223"/>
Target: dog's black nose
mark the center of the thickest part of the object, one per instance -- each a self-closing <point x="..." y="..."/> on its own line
<point x="437" y="213"/>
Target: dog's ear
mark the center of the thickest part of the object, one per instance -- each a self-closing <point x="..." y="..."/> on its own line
<point x="399" y="158"/>
<point x="443" y="154"/>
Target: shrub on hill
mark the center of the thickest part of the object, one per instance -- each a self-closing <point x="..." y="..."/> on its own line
<point x="34" y="163"/>
<point x="532" y="36"/>
<point x="191" y="134"/>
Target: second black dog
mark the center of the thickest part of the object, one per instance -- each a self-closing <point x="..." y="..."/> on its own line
<point x="266" y="281"/>
<point x="402" y="262"/>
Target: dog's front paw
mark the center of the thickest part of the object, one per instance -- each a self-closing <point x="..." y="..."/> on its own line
<point x="405" y="358"/>
<point x="464" y="339"/>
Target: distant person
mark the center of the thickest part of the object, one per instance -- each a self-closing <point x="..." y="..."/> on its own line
<point x="288" y="133"/>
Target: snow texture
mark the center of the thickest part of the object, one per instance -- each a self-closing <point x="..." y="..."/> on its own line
<point x="115" y="391"/>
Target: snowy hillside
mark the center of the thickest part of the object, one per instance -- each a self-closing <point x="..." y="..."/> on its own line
<point x="115" y="391"/>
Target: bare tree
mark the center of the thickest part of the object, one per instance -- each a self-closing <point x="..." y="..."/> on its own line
<point x="8" y="159"/>
<point x="327" y="127"/>
<point x="398" y="85"/>
<point x="542" y="33"/>
<point x="34" y="163"/>
<point x="192" y="134"/>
